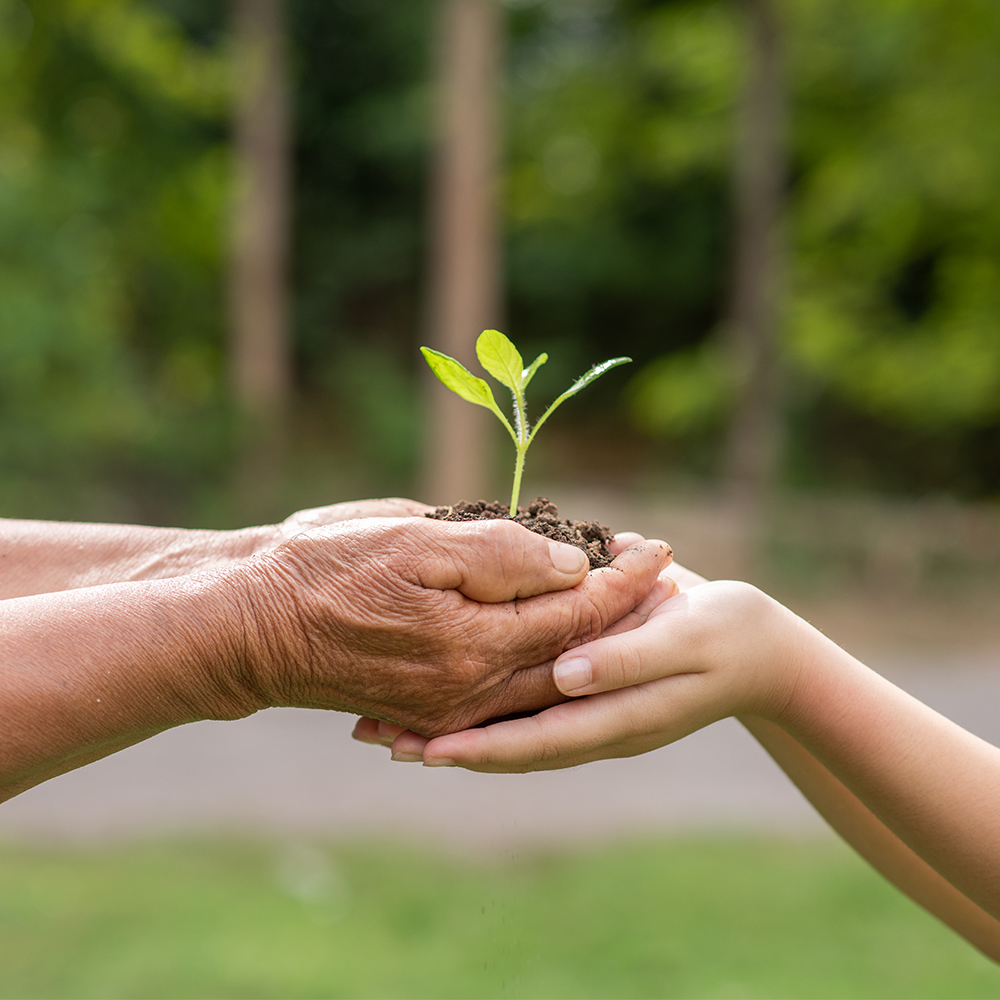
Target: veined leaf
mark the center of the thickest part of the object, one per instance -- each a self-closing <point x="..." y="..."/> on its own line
<point x="459" y="379"/>
<point x="529" y="372"/>
<point x="501" y="359"/>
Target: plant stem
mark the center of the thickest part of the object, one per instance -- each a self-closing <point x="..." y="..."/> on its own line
<point x="518" y="469"/>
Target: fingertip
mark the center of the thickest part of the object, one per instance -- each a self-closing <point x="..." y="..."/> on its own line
<point x="388" y="732"/>
<point x="409" y="746"/>
<point x="623" y="540"/>
<point x="569" y="559"/>
<point x="366" y="731"/>
<point x="646" y="551"/>
<point x="573" y="675"/>
<point x="452" y="748"/>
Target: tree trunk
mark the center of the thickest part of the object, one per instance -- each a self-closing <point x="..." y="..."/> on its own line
<point x="754" y="440"/>
<point x="260" y="364"/>
<point x="464" y="292"/>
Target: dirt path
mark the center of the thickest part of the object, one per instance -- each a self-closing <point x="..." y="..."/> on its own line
<point x="294" y="772"/>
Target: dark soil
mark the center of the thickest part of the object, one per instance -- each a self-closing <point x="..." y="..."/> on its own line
<point x="542" y="517"/>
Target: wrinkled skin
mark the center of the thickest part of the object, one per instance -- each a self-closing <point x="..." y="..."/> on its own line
<point x="432" y="625"/>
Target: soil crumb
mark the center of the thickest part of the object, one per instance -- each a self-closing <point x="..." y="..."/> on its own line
<point x="542" y="517"/>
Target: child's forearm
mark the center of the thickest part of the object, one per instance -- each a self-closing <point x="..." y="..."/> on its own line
<point x="933" y="784"/>
<point x="878" y="845"/>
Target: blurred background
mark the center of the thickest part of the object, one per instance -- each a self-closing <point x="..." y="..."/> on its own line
<point x="225" y="230"/>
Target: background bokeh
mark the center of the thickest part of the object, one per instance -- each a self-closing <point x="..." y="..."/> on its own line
<point x="617" y="227"/>
<point x="619" y="218"/>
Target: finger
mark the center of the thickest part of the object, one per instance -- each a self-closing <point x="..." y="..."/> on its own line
<point x="376" y="731"/>
<point x="623" y="540"/>
<point x="366" y="731"/>
<point x="663" y="590"/>
<point x="616" y="724"/>
<point x="494" y="561"/>
<point x="625" y="586"/>
<point x="388" y="731"/>
<point x="542" y="627"/>
<point x="409" y="747"/>
<point x="654" y="650"/>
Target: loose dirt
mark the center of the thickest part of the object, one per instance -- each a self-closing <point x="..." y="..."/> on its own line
<point x="542" y="517"/>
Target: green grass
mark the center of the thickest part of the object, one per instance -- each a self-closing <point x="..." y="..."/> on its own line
<point x="709" y="917"/>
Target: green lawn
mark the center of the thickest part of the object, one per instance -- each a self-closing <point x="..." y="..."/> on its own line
<point x="709" y="917"/>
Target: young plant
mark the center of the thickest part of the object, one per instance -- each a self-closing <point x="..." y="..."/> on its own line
<point x="503" y="361"/>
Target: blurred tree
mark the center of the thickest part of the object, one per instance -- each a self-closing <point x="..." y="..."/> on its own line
<point x="891" y="341"/>
<point x="464" y="287"/>
<point x="760" y="175"/>
<point x="258" y="306"/>
<point x="115" y="173"/>
<point x="895" y="324"/>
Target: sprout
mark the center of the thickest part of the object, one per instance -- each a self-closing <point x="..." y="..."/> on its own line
<point x="503" y="361"/>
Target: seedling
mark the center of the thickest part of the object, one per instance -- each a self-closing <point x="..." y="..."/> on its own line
<point x="503" y="361"/>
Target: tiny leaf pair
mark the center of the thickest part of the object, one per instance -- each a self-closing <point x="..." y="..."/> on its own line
<point x="503" y="361"/>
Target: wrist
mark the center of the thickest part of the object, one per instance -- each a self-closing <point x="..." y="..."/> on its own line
<point x="780" y="645"/>
<point x="209" y="668"/>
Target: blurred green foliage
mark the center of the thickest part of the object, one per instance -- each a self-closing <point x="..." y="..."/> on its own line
<point x="114" y="175"/>
<point x="113" y="178"/>
<point x="679" y="917"/>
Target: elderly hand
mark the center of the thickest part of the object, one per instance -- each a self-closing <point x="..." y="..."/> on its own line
<point x="433" y="625"/>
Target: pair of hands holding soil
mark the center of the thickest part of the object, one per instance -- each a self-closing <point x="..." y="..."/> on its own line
<point x="436" y="625"/>
<point x="464" y="622"/>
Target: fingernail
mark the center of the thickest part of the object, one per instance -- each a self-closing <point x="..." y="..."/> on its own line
<point x="407" y="758"/>
<point x="439" y="762"/>
<point x="567" y="558"/>
<point x="573" y="674"/>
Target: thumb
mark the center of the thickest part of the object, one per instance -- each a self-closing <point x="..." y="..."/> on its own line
<point x="658" y="648"/>
<point x="494" y="561"/>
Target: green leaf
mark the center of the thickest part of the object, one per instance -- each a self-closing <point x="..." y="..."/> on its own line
<point x="459" y="379"/>
<point x="529" y="373"/>
<point x="584" y="380"/>
<point x="595" y="373"/>
<point x="501" y="359"/>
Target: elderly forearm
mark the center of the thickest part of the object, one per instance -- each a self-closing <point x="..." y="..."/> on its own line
<point x="878" y="845"/>
<point x="88" y="672"/>
<point x="41" y="557"/>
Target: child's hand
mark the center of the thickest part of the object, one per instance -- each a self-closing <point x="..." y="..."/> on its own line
<point x="716" y="650"/>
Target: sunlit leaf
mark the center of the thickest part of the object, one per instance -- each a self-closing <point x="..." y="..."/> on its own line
<point x="501" y="359"/>
<point x="459" y="379"/>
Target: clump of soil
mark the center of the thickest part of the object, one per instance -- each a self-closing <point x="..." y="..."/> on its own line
<point x="542" y="517"/>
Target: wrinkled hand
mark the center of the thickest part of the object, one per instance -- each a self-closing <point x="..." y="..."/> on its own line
<point x="433" y="625"/>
